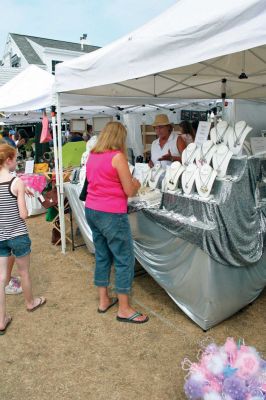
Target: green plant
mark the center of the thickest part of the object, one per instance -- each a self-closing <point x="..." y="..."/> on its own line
<point x="28" y="145"/>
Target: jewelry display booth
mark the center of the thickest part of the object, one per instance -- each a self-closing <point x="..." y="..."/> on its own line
<point x="207" y="255"/>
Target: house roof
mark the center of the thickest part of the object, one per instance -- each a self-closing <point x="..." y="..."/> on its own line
<point x="32" y="57"/>
<point x="8" y="73"/>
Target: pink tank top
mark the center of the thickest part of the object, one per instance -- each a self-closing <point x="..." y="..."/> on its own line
<point x="105" y="191"/>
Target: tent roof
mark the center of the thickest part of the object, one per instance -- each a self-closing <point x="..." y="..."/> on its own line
<point x="183" y="53"/>
<point x="32" y="89"/>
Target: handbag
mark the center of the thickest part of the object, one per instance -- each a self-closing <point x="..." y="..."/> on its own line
<point x="83" y="193"/>
<point x="49" y="198"/>
<point x="45" y="134"/>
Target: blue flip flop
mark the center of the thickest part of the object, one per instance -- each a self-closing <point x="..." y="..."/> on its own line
<point x="113" y="302"/>
<point x="131" y="319"/>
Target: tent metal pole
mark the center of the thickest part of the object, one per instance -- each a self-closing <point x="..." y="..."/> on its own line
<point x="60" y="174"/>
<point x="55" y="153"/>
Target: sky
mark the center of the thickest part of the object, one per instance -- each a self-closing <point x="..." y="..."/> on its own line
<point x="102" y="20"/>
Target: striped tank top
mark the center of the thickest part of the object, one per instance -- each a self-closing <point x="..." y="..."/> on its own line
<point x="11" y="225"/>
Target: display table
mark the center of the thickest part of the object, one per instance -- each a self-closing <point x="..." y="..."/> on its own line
<point x="72" y="192"/>
<point x="208" y="256"/>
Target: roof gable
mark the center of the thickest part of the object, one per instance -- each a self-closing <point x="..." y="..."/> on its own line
<point x="26" y="49"/>
<point x="32" y="57"/>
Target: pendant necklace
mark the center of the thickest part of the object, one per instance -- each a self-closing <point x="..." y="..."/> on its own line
<point x="172" y="178"/>
<point x="221" y="163"/>
<point x="220" y="138"/>
<point x="154" y="174"/>
<point x="204" y="184"/>
<point x="238" y="137"/>
<point x="192" y="175"/>
<point x="203" y="155"/>
<point x="189" y="157"/>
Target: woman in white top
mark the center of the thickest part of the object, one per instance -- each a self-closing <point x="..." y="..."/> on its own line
<point x="165" y="148"/>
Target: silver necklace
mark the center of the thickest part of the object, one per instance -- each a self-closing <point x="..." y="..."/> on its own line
<point x="221" y="163"/>
<point x="204" y="184"/>
<point x="220" y="138"/>
<point x="188" y="158"/>
<point x="154" y="174"/>
<point x="192" y="175"/>
<point x="203" y="159"/>
<point x="172" y="178"/>
<point x="237" y="138"/>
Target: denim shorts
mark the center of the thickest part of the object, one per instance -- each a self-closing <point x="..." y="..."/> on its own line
<point x="19" y="246"/>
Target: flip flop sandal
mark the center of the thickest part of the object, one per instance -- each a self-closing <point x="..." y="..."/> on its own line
<point x="132" y="320"/>
<point x="3" y="331"/>
<point x="41" y="303"/>
<point x="113" y="302"/>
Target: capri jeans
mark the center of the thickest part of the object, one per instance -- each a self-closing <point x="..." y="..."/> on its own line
<point x="113" y="242"/>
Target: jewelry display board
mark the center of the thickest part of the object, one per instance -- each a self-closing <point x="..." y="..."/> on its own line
<point x="154" y="176"/>
<point x="188" y="178"/>
<point x="172" y="176"/>
<point x="189" y="154"/>
<point x="205" y="153"/>
<point x="220" y="133"/>
<point x="221" y="159"/>
<point x="204" y="180"/>
<point x="239" y="133"/>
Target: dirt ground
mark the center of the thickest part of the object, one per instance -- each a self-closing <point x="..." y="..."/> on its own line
<point x="66" y="350"/>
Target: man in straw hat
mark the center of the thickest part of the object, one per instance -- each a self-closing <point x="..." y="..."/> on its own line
<point x="165" y="148"/>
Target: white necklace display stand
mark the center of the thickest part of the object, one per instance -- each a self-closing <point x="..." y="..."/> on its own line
<point x="172" y="176"/>
<point x="238" y="136"/>
<point x="188" y="178"/>
<point x="205" y="153"/>
<point x="220" y="133"/>
<point x="204" y="180"/>
<point x="220" y="159"/>
<point x="189" y="154"/>
<point x="154" y="175"/>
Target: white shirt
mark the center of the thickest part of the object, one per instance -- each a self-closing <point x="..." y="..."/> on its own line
<point x="157" y="151"/>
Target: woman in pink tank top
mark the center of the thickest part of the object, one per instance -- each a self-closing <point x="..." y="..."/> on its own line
<point x="109" y="185"/>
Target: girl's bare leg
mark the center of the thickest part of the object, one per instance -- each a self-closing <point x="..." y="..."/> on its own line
<point x="23" y="264"/>
<point x="3" y="274"/>
<point x="10" y="264"/>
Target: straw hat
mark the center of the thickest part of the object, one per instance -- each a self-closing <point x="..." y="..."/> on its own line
<point x="161" y="120"/>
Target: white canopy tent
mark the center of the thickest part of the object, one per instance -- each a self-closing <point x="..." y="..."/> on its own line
<point x="183" y="53"/>
<point x="192" y="50"/>
<point x="29" y="90"/>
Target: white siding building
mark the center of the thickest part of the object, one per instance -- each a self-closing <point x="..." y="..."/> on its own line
<point x="23" y="50"/>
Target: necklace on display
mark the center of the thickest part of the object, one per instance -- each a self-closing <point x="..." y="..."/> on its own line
<point x="155" y="173"/>
<point x="220" y="137"/>
<point x="203" y="155"/>
<point x="172" y="178"/>
<point x="192" y="175"/>
<point x="238" y="137"/>
<point x="204" y="184"/>
<point x="218" y="169"/>
<point x="189" y="157"/>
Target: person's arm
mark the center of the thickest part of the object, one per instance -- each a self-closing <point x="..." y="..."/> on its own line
<point x="130" y="185"/>
<point x="20" y="192"/>
<point x="21" y="142"/>
<point x="169" y="157"/>
<point x="180" y="144"/>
